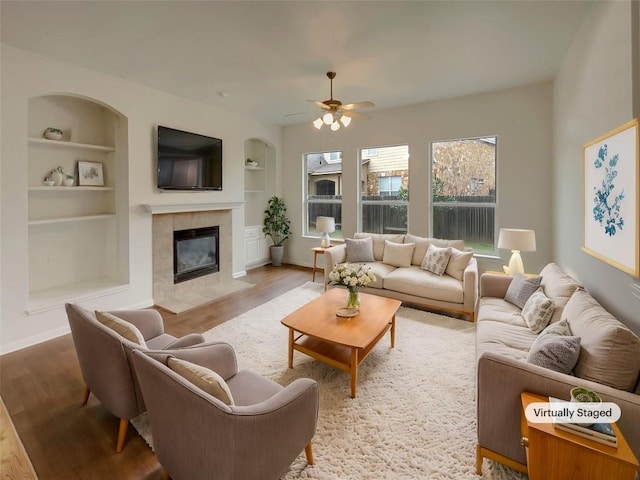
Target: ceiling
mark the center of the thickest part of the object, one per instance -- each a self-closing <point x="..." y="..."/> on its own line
<point x="265" y="58"/>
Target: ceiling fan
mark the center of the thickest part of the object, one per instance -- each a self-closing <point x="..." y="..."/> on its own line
<point x="335" y="112"/>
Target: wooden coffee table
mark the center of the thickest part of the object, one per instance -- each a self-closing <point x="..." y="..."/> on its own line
<point x="344" y="343"/>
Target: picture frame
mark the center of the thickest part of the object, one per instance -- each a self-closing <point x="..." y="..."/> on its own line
<point x="611" y="196"/>
<point x="90" y="174"/>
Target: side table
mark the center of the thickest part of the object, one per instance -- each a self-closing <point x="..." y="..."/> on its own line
<point x="554" y="453"/>
<point x="317" y="251"/>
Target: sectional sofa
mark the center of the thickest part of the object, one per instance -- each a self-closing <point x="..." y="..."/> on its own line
<point x="607" y="361"/>
<point x="400" y="274"/>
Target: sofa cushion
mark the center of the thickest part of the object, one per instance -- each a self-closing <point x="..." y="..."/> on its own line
<point x="123" y="328"/>
<point x="458" y="263"/>
<point x="559" y="287"/>
<point x="203" y="378"/>
<point x="378" y="241"/>
<point x="537" y="311"/>
<point x="555" y="352"/>
<point x="521" y="288"/>
<point x="359" y="250"/>
<point x="610" y="352"/>
<point x="514" y="341"/>
<point x="436" y="259"/>
<point x="415" y="281"/>
<point x="499" y="310"/>
<point x="422" y="243"/>
<point x="398" y="254"/>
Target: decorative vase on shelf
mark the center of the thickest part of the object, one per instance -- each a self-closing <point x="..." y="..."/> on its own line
<point x="57" y="178"/>
<point x="68" y="182"/>
<point x="53" y="133"/>
<point x="353" y="298"/>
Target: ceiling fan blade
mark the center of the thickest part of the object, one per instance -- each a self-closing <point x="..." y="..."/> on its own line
<point x="294" y="114"/>
<point x="320" y="104"/>
<point x="353" y="106"/>
<point x="351" y="114"/>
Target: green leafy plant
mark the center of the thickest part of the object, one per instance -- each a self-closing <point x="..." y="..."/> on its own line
<point x="276" y="225"/>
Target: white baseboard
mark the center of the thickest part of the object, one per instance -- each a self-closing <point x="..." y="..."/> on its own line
<point x="34" y="340"/>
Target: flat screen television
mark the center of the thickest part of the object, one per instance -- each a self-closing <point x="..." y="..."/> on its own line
<point x="188" y="161"/>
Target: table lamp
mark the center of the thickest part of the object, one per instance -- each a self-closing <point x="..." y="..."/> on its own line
<point x="517" y="240"/>
<point x="325" y="225"/>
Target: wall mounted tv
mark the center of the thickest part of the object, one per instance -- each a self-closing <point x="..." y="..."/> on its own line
<point x="188" y="161"/>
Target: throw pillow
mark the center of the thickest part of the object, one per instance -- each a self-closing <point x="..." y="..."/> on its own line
<point x="436" y="259"/>
<point x="521" y="288"/>
<point x="558" y="328"/>
<point x="458" y="263"/>
<point x="121" y="327"/>
<point x="359" y="250"/>
<point x="398" y="254"/>
<point x="203" y="378"/>
<point x="537" y="311"/>
<point x="555" y="352"/>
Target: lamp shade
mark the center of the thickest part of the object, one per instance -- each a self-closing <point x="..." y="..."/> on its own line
<point x="517" y="239"/>
<point x="325" y="224"/>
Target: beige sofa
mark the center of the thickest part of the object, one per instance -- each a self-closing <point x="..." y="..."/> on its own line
<point x="608" y="363"/>
<point x="410" y="283"/>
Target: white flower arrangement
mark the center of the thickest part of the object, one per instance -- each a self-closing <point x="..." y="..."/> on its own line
<point x="351" y="276"/>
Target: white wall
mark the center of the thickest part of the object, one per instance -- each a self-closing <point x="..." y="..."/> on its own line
<point x="594" y="92"/>
<point x="24" y="75"/>
<point x="519" y="117"/>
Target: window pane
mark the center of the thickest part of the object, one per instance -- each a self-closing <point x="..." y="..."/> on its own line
<point x="323" y="190"/>
<point x="463" y="189"/>
<point x="464" y="168"/>
<point x="474" y="225"/>
<point x="384" y="188"/>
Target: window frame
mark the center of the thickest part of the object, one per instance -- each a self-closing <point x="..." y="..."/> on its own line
<point x="307" y="201"/>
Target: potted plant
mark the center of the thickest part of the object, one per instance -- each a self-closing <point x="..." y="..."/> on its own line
<point x="276" y="226"/>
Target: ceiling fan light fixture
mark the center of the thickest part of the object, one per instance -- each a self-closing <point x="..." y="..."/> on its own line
<point x="345" y="120"/>
<point x="327" y="118"/>
<point x="335" y="126"/>
<point x="318" y="122"/>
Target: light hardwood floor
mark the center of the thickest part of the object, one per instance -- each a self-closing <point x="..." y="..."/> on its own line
<point x="42" y="390"/>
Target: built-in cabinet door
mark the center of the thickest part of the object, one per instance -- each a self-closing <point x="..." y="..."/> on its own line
<point x="255" y="246"/>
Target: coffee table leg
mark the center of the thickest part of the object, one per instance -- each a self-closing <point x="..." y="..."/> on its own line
<point x="291" y="348"/>
<point x="393" y="331"/>
<point x="354" y="371"/>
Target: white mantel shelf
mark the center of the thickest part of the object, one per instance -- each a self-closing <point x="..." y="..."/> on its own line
<point x="190" y="207"/>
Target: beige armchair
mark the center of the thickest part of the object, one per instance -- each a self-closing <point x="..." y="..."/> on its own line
<point x="105" y="359"/>
<point x="198" y="436"/>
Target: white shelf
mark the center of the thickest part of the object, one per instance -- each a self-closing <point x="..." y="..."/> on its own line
<point x="71" y="219"/>
<point x="71" y="189"/>
<point x="50" y="298"/>
<point x="247" y="167"/>
<point x="60" y="143"/>
<point x="254" y="191"/>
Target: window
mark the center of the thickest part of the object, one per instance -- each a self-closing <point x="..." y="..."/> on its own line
<point x="323" y="190"/>
<point x="384" y="189"/>
<point x="463" y="191"/>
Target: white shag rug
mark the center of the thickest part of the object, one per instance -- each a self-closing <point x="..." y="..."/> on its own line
<point x="414" y="415"/>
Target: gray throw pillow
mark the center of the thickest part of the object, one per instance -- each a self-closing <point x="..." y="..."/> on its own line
<point x="558" y="328"/>
<point x="359" y="250"/>
<point x="521" y="288"/>
<point x="555" y="352"/>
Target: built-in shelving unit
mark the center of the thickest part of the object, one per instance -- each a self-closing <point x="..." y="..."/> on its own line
<point x="78" y="235"/>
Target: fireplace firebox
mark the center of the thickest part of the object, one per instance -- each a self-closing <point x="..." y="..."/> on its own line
<point x="195" y="253"/>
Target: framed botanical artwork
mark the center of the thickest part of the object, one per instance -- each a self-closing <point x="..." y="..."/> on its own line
<point x="90" y="174"/>
<point x="612" y="198"/>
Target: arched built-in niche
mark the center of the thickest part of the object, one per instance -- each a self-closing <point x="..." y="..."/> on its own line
<point x="78" y="235"/>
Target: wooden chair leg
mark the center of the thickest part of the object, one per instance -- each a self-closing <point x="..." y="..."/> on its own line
<point x="122" y="434"/>
<point x="308" y="450"/>
<point x="85" y="395"/>
<point x="165" y="474"/>
<point x="478" y="460"/>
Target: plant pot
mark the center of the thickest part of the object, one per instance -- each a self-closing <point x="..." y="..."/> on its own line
<point x="277" y="252"/>
<point x="584" y="395"/>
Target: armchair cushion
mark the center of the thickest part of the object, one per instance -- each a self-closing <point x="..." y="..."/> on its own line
<point x="203" y="378"/>
<point x="121" y="327"/>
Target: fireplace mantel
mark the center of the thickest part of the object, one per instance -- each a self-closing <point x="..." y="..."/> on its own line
<point x="190" y="207"/>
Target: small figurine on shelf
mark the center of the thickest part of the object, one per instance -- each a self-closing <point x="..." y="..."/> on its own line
<point x="53" y="133"/>
<point x="251" y="163"/>
<point x="59" y="177"/>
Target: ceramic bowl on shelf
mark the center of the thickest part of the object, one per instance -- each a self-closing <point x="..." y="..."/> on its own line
<point x="53" y="134"/>
<point x="49" y="183"/>
<point x="68" y="182"/>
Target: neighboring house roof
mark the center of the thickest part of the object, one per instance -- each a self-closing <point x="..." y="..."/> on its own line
<point x="316" y="165"/>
